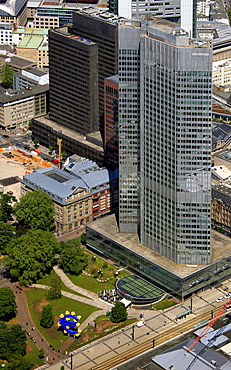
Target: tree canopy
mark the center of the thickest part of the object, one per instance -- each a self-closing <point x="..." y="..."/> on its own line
<point x="72" y="257"/>
<point x="12" y="342"/>
<point x="7" y="76"/>
<point x="7" y="304"/>
<point x="5" y="206"/>
<point x="35" y="210"/>
<point x="118" y="312"/>
<point x="30" y="256"/>
<point x="7" y="232"/>
<point x="54" y="291"/>
<point x="47" y="318"/>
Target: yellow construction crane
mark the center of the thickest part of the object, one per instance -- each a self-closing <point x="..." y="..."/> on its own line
<point x="59" y="142"/>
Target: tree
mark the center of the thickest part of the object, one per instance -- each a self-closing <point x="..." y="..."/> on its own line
<point x="12" y="342"/>
<point x="36" y="141"/>
<point x="47" y="319"/>
<point x="22" y="364"/>
<point x="83" y="238"/>
<point x="229" y="15"/>
<point x="5" y="206"/>
<point x="7" y="76"/>
<point x="64" y="155"/>
<point x="41" y="354"/>
<point x="35" y="210"/>
<point x="30" y="256"/>
<point x="50" y="148"/>
<point x="55" y="288"/>
<point x="72" y="257"/>
<point x="7" y="232"/>
<point x="7" y="304"/>
<point x="118" y="312"/>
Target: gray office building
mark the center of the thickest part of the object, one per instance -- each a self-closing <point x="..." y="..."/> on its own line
<point x="73" y="70"/>
<point x="165" y="139"/>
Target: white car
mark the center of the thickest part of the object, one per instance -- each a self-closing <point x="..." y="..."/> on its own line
<point x="140" y="323"/>
<point x="219" y="299"/>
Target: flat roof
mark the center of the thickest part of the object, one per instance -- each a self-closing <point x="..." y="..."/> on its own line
<point x="32" y="31"/>
<point x="17" y="61"/>
<point x="221" y="246"/>
<point x="35" y="71"/>
<point x="69" y="133"/>
<point x="22" y="94"/>
<point x="30" y="42"/>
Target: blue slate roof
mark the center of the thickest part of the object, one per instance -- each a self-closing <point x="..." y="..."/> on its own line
<point x="84" y="174"/>
<point x="58" y="191"/>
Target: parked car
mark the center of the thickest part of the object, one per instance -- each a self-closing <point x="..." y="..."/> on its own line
<point x="140" y="323"/>
<point x="219" y="299"/>
<point x="54" y="160"/>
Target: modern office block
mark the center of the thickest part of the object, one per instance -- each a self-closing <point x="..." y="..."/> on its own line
<point x="100" y="27"/>
<point x="129" y="126"/>
<point x="165" y="161"/>
<point x="73" y="71"/>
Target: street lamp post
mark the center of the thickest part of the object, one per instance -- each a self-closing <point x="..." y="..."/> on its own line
<point x="133" y="332"/>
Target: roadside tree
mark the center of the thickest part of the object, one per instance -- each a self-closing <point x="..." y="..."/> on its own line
<point x="12" y="342"/>
<point x="35" y="210"/>
<point x="118" y="312"/>
<point x="7" y="232"/>
<point x="7" y="304"/>
<point x="5" y="206"/>
<point x="30" y="256"/>
<point x="72" y="257"/>
<point x="47" y="318"/>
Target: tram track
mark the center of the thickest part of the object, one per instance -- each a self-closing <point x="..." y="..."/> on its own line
<point x="157" y="339"/>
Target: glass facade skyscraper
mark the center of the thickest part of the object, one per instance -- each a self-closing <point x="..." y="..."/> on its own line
<point x="170" y="208"/>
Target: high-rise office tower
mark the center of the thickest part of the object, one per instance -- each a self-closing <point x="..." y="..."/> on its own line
<point x="100" y="27"/>
<point x="180" y="11"/>
<point x="165" y="139"/>
<point x="73" y="72"/>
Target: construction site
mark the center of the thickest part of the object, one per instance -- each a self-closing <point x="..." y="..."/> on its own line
<point x="15" y="162"/>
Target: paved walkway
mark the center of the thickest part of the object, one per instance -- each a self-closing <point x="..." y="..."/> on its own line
<point x="24" y="318"/>
<point x="103" y="307"/>
<point x="66" y="281"/>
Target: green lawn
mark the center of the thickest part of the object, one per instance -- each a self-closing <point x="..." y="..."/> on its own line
<point x="165" y="303"/>
<point x="90" y="283"/>
<point x="46" y="280"/>
<point x="36" y="298"/>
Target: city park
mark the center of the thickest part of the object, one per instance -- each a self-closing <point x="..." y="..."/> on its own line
<point x="49" y="327"/>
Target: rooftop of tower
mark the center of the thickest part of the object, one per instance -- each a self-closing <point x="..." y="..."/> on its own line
<point x="221" y="246"/>
<point x="65" y="31"/>
<point x="101" y="14"/>
<point x="164" y="30"/>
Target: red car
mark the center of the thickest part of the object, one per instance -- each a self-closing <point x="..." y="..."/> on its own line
<point x="37" y="151"/>
<point x="55" y="160"/>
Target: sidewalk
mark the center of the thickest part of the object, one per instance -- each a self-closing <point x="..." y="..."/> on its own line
<point x="96" y="302"/>
<point x="66" y="281"/>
